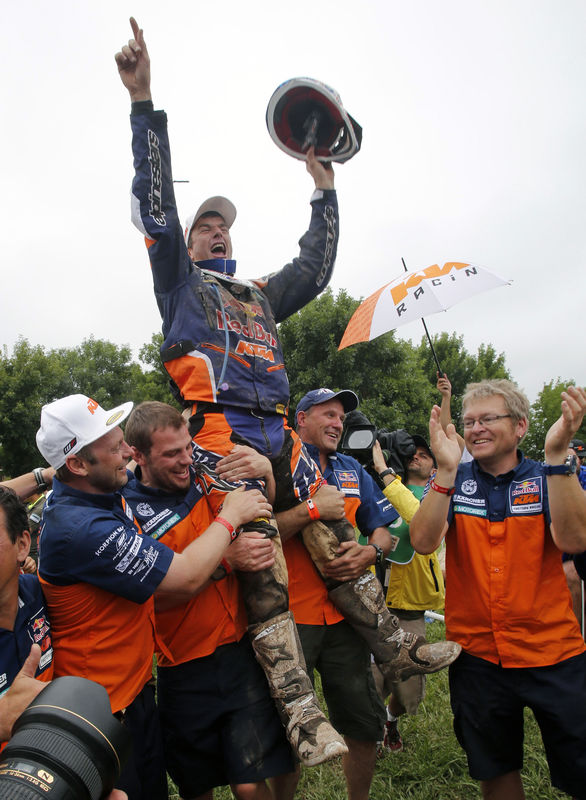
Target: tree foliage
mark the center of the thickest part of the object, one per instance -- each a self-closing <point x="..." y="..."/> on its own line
<point x="32" y="376"/>
<point x="394" y="379"/>
<point x="544" y="412"/>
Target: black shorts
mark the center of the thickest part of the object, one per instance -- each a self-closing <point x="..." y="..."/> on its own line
<point x="342" y="659"/>
<point x="143" y="776"/>
<point x="488" y="702"/>
<point x="220" y="725"/>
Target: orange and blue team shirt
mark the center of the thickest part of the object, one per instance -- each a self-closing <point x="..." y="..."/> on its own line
<point x="220" y="333"/>
<point x="216" y="615"/>
<point x="99" y="574"/>
<point x="507" y="599"/>
<point x="365" y="506"/>
<point x="31" y="626"/>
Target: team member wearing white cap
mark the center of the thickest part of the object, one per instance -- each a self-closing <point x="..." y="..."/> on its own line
<point x="99" y="572"/>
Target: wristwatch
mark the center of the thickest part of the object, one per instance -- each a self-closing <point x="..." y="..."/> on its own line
<point x="388" y="471"/>
<point x="569" y="467"/>
<point x="40" y="481"/>
<point x="380" y="556"/>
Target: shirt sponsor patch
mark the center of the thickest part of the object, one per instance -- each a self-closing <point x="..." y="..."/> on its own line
<point x="147" y="527"/>
<point x="470" y="510"/>
<point x="118" y="534"/>
<point x="347" y="481"/>
<point x="165" y="526"/>
<point x="472" y="501"/>
<point x="526" y="497"/>
<point x="46" y="658"/>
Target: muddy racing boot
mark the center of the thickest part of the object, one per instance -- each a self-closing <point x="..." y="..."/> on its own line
<point x="398" y="654"/>
<point x="278" y="651"/>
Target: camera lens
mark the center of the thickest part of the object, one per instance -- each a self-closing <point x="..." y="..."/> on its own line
<point x="66" y="745"/>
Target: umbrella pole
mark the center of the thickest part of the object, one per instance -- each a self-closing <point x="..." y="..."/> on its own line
<point x="439" y="369"/>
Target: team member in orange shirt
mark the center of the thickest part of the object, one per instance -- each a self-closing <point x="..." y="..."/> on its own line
<point x="99" y="572"/>
<point x="507" y="602"/>
<point x="220" y="725"/>
<point x="339" y="647"/>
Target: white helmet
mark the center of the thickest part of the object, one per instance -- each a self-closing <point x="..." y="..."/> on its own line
<point x="303" y="112"/>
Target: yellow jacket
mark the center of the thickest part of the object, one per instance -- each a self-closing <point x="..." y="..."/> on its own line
<point x="418" y="585"/>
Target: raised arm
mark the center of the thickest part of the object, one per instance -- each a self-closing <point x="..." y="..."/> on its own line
<point x="154" y="210"/>
<point x="27" y="484"/>
<point x="567" y="499"/>
<point x="444" y="387"/>
<point x="322" y="173"/>
<point x="395" y="491"/>
<point x="428" y="526"/>
<point x="306" y="276"/>
<point x="134" y="66"/>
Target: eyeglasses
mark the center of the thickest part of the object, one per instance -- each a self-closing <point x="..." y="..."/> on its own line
<point x="487" y="421"/>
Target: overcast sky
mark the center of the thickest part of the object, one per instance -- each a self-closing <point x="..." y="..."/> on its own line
<point x="474" y="150"/>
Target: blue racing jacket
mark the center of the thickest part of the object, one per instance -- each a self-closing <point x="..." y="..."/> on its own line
<point x="220" y="333"/>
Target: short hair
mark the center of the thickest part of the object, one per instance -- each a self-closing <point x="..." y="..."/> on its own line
<point x="65" y="475"/>
<point x="145" y="419"/>
<point x="14" y="513"/>
<point x="516" y="401"/>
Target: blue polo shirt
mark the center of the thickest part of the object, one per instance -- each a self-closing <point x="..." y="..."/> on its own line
<point x="30" y="627"/>
<point x="366" y="505"/>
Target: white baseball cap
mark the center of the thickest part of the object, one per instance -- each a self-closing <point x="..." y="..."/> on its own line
<point x="213" y="205"/>
<point x="73" y="422"/>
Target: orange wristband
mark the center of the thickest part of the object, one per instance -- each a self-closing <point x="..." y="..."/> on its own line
<point x="441" y="489"/>
<point x="229" y="527"/>
<point x="311" y="507"/>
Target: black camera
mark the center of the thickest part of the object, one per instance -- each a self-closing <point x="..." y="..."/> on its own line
<point x="360" y="435"/>
<point x="66" y="745"/>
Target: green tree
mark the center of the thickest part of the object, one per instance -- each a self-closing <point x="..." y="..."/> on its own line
<point x="385" y="375"/>
<point x="544" y="412"/>
<point x="394" y="380"/>
<point x="459" y="365"/>
<point x="31" y="377"/>
<point x="155" y="379"/>
<point x="28" y="379"/>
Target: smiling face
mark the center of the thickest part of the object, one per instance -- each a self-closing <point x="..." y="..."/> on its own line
<point x="322" y="425"/>
<point x="493" y="445"/>
<point x="167" y="464"/>
<point x="105" y="470"/>
<point x="209" y="238"/>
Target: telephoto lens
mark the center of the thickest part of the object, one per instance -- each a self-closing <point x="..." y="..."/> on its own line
<point x="65" y="746"/>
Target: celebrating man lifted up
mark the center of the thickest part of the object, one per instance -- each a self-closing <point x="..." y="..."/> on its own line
<point x="222" y="351"/>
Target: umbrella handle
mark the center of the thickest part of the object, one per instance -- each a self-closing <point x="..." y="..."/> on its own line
<point x="434" y="354"/>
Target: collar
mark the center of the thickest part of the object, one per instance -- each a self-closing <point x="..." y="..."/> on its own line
<point x="65" y="491"/>
<point x="135" y="487"/>
<point x="313" y="451"/>
<point x="505" y="476"/>
<point x="226" y="266"/>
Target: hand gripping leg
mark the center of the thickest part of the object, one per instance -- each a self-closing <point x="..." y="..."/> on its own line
<point x="399" y="654"/>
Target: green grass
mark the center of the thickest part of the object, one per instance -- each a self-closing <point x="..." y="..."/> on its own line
<point x="432" y="765"/>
